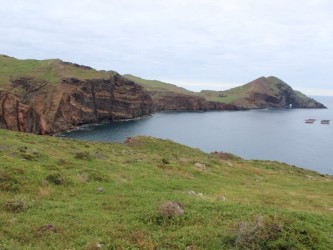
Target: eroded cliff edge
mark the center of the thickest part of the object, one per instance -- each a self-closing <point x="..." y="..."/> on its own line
<point x="43" y="108"/>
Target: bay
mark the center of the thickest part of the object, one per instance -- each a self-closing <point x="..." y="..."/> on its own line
<point x="267" y="134"/>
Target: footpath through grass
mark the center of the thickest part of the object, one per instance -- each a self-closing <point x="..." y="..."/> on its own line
<point x="68" y="194"/>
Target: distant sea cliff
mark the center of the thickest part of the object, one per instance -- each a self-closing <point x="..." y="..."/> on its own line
<point x="50" y="96"/>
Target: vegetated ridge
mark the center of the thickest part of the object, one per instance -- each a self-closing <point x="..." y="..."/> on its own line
<point x="171" y="97"/>
<point x="49" y="96"/>
<point x="150" y="193"/>
<point x="262" y="93"/>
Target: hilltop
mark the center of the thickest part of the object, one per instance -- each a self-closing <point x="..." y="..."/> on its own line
<point x="50" y="71"/>
<point x="50" y="96"/>
<point x="168" y="96"/>
<point x="158" y="87"/>
<point x="262" y="93"/>
<point x="87" y="195"/>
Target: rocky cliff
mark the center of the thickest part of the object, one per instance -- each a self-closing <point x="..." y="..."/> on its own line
<point x="273" y="92"/>
<point x="44" y="108"/>
<point x="169" y="101"/>
<point x="168" y="97"/>
<point x="49" y="96"/>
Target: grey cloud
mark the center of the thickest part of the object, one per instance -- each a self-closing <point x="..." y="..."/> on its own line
<point x="190" y="40"/>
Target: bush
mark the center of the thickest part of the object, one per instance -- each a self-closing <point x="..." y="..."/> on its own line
<point x="95" y="175"/>
<point x="168" y="213"/>
<point x="274" y="233"/>
<point x="56" y="179"/>
<point x="16" y="205"/>
<point x="23" y="149"/>
<point x="31" y="155"/>
<point x="83" y="155"/>
<point x="8" y="182"/>
<point x="165" y="161"/>
<point x="171" y="209"/>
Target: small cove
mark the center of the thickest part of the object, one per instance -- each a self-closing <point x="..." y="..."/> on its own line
<point x="268" y="134"/>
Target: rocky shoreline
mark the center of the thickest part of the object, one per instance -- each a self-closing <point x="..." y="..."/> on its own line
<point x="76" y="95"/>
<point x="50" y="109"/>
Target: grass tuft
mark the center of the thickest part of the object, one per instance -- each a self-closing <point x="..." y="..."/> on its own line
<point x="57" y="179"/>
<point x="17" y="204"/>
<point x="83" y="155"/>
<point x="8" y="182"/>
<point x="274" y="232"/>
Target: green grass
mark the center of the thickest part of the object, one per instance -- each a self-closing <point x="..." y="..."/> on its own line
<point x="53" y="181"/>
<point x="158" y="86"/>
<point x="240" y="94"/>
<point x="300" y="94"/>
<point x="52" y="71"/>
<point x="228" y="96"/>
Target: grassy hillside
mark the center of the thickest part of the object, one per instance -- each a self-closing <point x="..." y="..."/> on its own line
<point x="239" y="94"/>
<point x="229" y="96"/>
<point x="67" y="194"/>
<point x="52" y="70"/>
<point x="157" y="86"/>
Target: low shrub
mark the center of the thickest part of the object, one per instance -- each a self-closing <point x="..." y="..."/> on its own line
<point x="274" y="232"/>
<point x="83" y="155"/>
<point x="165" y="161"/>
<point x="4" y="147"/>
<point x="56" y="179"/>
<point x="23" y="149"/>
<point x="95" y="175"/>
<point x="8" y="182"/>
<point x="32" y="155"/>
<point x="171" y="209"/>
<point x="16" y="205"/>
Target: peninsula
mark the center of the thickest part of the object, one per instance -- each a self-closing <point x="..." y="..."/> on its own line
<point x="145" y="193"/>
<point x="50" y="96"/>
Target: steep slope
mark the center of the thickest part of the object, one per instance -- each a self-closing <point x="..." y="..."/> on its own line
<point x="156" y="87"/>
<point x="168" y="96"/>
<point x="88" y="195"/>
<point x="262" y="93"/>
<point x="49" y="96"/>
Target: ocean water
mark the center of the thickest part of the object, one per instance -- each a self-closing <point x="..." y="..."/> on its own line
<point x="268" y="134"/>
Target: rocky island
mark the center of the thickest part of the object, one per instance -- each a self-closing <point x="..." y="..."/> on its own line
<point x="50" y="96"/>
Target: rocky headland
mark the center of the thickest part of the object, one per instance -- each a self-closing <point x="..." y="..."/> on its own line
<point x="50" y="96"/>
<point x="44" y="108"/>
<point x="264" y="92"/>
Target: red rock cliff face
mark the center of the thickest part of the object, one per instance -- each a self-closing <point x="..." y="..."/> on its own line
<point x="43" y="108"/>
<point x="179" y="102"/>
<point x="16" y="115"/>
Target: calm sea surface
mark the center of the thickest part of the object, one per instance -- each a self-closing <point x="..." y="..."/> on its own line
<point x="270" y="134"/>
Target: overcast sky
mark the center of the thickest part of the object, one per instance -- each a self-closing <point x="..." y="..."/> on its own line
<point x="198" y="44"/>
